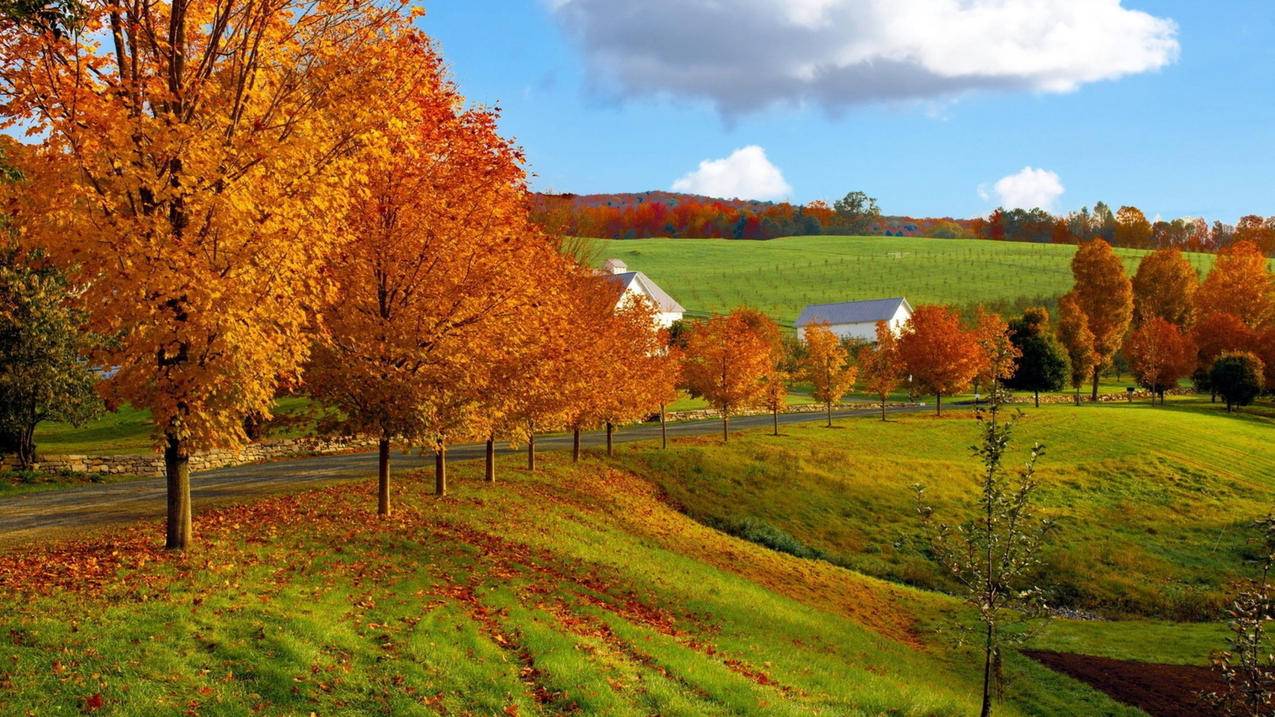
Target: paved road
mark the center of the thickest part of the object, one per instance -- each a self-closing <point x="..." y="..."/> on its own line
<point x="25" y="518"/>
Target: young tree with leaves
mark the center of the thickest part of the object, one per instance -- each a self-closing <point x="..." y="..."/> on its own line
<point x="881" y="365"/>
<point x="826" y="365"/>
<point x="726" y="362"/>
<point x="1247" y="666"/>
<point x="994" y="554"/>
<point x="1078" y="341"/>
<point x="1105" y="295"/>
<point x="194" y="165"/>
<point x="1042" y="364"/>
<point x="1161" y="354"/>
<point x="941" y="357"/>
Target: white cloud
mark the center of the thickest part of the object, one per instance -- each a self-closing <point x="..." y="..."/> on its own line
<point x="744" y="55"/>
<point x="1026" y="189"/>
<point x="745" y="174"/>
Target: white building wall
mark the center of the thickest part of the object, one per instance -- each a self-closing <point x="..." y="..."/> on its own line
<point x="867" y="330"/>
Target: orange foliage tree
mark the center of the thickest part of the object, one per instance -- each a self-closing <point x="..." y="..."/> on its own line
<point x="1239" y="283"/>
<point x="1161" y="354"/>
<point x="941" y="357"/>
<point x="1164" y="286"/>
<point x="726" y="362"/>
<point x="1105" y="295"/>
<point x="195" y="160"/>
<point x="1216" y="333"/>
<point x="1076" y="338"/>
<point x="436" y="287"/>
<point x="826" y="365"/>
<point x="997" y="354"/>
<point x="881" y="365"/>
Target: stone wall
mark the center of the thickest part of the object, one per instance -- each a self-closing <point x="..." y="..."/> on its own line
<point x="702" y="413"/>
<point x="152" y="466"/>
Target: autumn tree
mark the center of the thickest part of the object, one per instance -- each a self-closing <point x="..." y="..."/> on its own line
<point x="1256" y="230"/>
<point x="1237" y="378"/>
<point x="998" y="355"/>
<point x="727" y="360"/>
<point x="826" y="365"/>
<point x="1132" y="228"/>
<point x="1105" y="295"/>
<point x="1043" y="363"/>
<point x="1164" y="286"/>
<point x="1240" y="283"/>
<point x="881" y="364"/>
<point x="43" y="372"/>
<point x="195" y="161"/>
<point x="856" y="212"/>
<point x="1160" y="354"/>
<point x="1078" y="341"/>
<point x="1214" y="334"/>
<point x="437" y="288"/>
<point x="941" y="357"/>
<point x="640" y="375"/>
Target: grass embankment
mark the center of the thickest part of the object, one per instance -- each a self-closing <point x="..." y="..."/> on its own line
<point x="1152" y="504"/>
<point x="573" y="590"/>
<point x="780" y="276"/>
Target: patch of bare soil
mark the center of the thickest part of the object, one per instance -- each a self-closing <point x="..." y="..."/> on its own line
<point x="1159" y="690"/>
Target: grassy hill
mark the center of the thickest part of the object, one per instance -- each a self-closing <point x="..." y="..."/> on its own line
<point x="781" y="276"/>
<point x="574" y="590"/>
<point x="1152" y="503"/>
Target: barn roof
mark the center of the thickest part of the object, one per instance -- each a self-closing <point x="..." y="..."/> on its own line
<point x="665" y="303"/>
<point x="853" y="312"/>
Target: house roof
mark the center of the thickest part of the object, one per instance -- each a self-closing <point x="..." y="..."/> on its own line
<point x="665" y="303"/>
<point x="612" y="265"/>
<point x="853" y="312"/>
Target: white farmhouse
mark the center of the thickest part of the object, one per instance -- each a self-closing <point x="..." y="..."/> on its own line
<point x="856" y="319"/>
<point x="636" y="284"/>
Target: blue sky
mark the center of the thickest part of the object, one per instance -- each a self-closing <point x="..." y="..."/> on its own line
<point x="1190" y="133"/>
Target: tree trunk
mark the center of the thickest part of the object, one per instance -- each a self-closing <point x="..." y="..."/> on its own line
<point x="987" y="674"/>
<point x="828" y="405"/>
<point x="383" y="476"/>
<point x="1077" y="397"/>
<point x="490" y="475"/>
<point x="663" y="428"/>
<point x="1037" y="399"/>
<point x="725" y="428"/>
<point x="938" y="404"/>
<point x="26" y="446"/>
<point x="177" y="474"/>
<point x="1094" y="395"/>
<point x="775" y="420"/>
<point x="575" y="445"/>
<point x="882" y="408"/>
<point x="610" y="430"/>
<point x="531" y="452"/>
<point x="440" y="469"/>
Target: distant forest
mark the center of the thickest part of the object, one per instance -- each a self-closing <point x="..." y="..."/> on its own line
<point x="669" y="214"/>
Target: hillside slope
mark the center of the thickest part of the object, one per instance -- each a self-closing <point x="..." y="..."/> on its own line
<point x="574" y="590"/>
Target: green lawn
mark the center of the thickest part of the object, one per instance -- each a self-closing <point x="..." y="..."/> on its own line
<point x="1152" y="503"/>
<point x="781" y="276"/>
<point x="573" y="590"/>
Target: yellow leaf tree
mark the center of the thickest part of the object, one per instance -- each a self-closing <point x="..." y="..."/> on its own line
<point x="826" y="365"/>
<point x="727" y="360"/>
<point x="195" y="161"/>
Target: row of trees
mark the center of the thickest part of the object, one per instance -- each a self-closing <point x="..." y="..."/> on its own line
<point x="662" y="214"/>
<point x="250" y="196"/>
<point x="1168" y="323"/>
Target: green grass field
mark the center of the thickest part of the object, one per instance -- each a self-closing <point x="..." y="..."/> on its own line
<point x="780" y="276"/>
<point x="585" y="589"/>
<point x="1151" y="503"/>
<point x="574" y="590"/>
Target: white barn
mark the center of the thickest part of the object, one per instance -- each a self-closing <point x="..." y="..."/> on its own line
<point x="637" y="284"/>
<point x="856" y="319"/>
